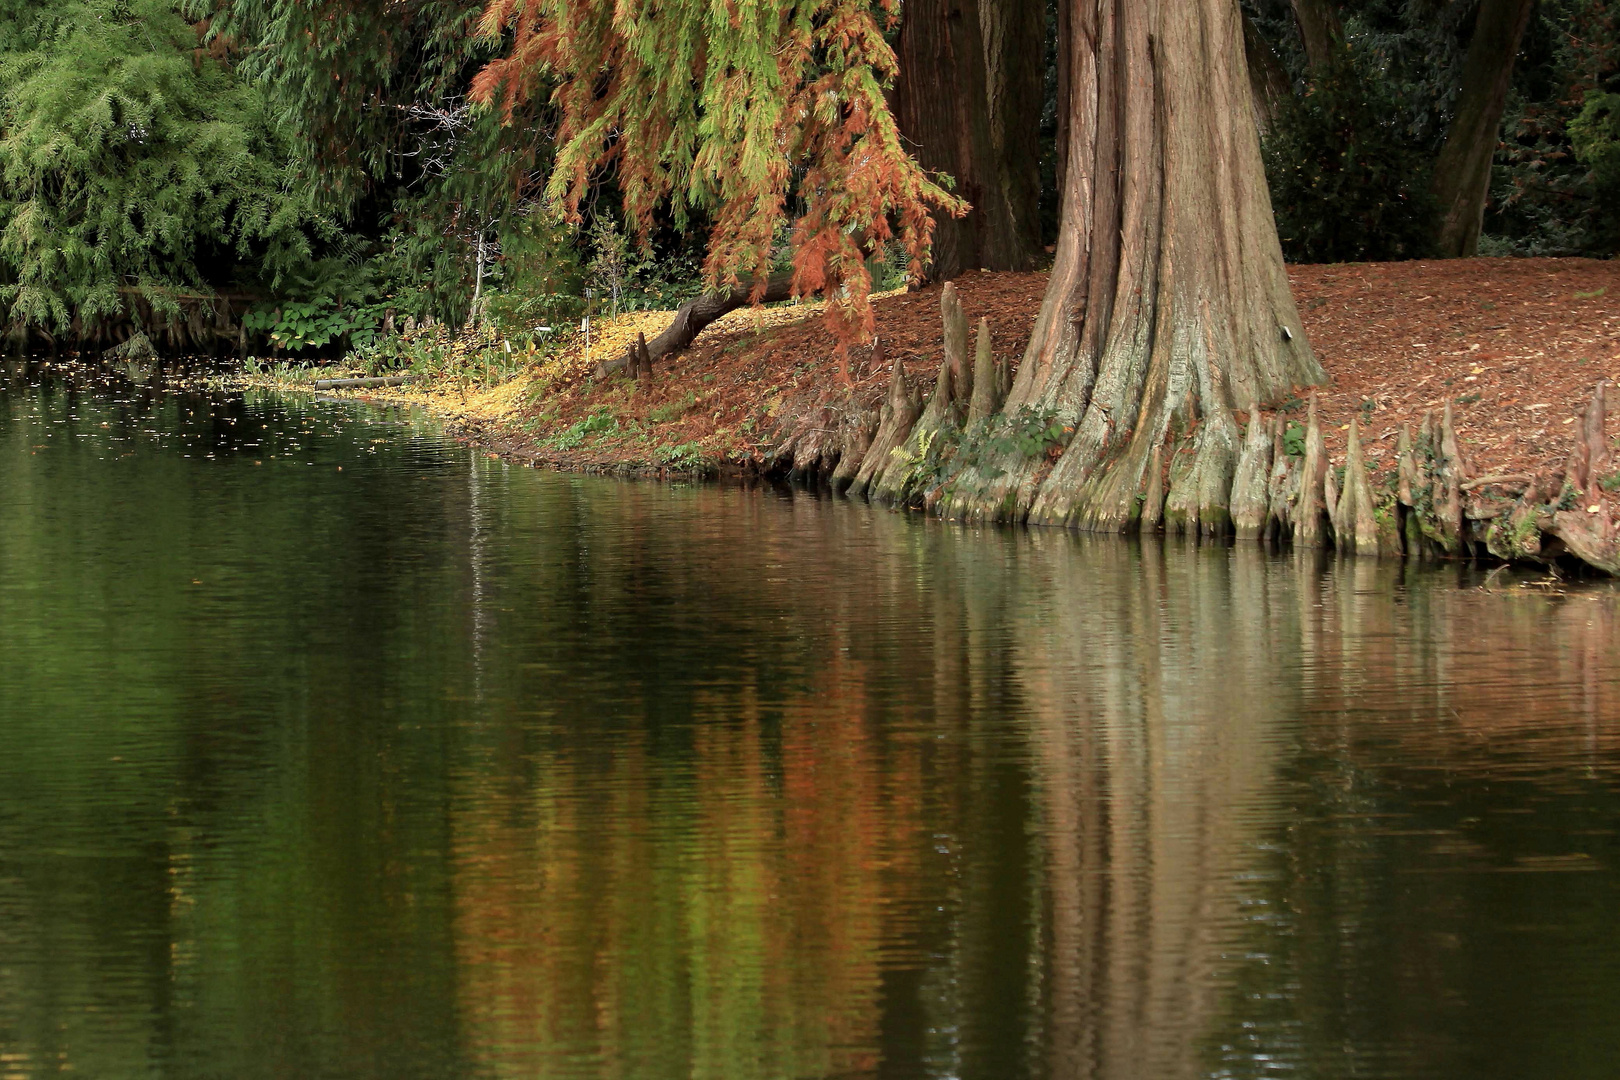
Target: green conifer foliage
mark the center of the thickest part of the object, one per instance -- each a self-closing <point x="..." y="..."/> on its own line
<point x="729" y="108"/>
<point x="129" y="157"/>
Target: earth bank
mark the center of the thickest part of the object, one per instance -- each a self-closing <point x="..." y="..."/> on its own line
<point x="1463" y="413"/>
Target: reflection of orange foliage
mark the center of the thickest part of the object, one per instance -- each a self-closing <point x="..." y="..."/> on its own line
<point x="731" y="903"/>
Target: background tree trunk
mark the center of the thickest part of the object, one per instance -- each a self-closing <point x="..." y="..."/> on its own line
<point x="1168" y="305"/>
<point x="1462" y="173"/>
<point x="1268" y="81"/>
<point x="968" y="100"/>
<point x="1319" y="31"/>
<point x="1014" y="36"/>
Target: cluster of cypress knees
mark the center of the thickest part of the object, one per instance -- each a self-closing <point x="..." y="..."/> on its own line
<point x="899" y="452"/>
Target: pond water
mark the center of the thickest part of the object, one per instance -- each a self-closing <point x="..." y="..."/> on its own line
<point x="330" y="748"/>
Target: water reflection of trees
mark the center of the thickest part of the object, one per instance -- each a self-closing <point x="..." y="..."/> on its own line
<point x="736" y="785"/>
<point x="982" y="804"/>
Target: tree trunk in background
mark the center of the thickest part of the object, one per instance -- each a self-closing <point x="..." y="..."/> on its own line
<point x="1014" y="35"/>
<point x="1168" y="304"/>
<point x="1462" y="173"/>
<point x="1268" y="82"/>
<point x="1319" y="30"/>
<point x="968" y="100"/>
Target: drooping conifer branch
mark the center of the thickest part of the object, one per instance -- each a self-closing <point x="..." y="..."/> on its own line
<point x="731" y="108"/>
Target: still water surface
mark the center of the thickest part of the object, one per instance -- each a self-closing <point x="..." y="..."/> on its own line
<point x="329" y="748"/>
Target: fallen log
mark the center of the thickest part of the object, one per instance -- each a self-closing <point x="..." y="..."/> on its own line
<point x="692" y="317"/>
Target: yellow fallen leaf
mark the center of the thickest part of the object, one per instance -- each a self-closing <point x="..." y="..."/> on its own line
<point x="1594" y="508"/>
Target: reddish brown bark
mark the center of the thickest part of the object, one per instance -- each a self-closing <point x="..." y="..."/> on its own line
<point x="968" y="101"/>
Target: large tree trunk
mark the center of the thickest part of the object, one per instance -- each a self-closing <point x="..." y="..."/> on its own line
<point x="1168" y="306"/>
<point x="968" y="100"/>
<point x="1462" y="173"/>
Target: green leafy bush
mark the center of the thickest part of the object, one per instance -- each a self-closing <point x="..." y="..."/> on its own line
<point x="1294" y="439"/>
<point x="131" y="160"/>
<point x="1029" y="433"/>
<point x="1348" y="183"/>
<point x="1596" y="136"/>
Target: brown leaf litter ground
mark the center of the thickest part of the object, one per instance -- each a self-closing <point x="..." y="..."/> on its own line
<point x="1516" y="344"/>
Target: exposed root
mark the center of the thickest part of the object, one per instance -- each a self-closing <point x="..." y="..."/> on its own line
<point x="1153" y="498"/>
<point x="1282" y="486"/>
<point x="856" y="431"/>
<point x="905" y="477"/>
<point x="1200" y="498"/>
<point x="1250" y="504"/>
<point x="1309" y="511"/>
<point x="970" y="455"/>
<point x="1354" y="526"/>
<point x="988" y="392"/>
<point x="1590" y="528"/>
<point x="900" y="412"/>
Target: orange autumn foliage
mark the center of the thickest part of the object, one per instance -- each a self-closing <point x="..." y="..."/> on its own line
<point x="732" y="108"/>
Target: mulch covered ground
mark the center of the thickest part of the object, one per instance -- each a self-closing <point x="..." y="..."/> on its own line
<point x="1517" y="344"/>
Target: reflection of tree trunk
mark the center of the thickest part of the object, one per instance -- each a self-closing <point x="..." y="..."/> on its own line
<point x="1143" y="794"/>
<point x="1462" y="175"/>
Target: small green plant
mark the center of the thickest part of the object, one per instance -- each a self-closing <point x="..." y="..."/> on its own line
<point x="1294" y="439"/>
<point x="598" y="423"/>
<point x="672" y="410"/>
<point x="276" y="373"/>
<point x="1030" y="433"/>
<point x="686" y="455"/>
